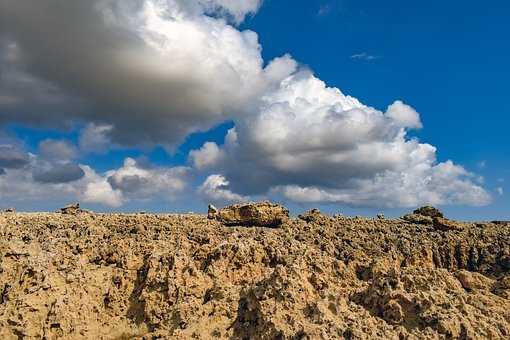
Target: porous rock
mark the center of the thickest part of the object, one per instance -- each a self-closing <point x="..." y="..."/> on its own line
<point x="428" y="211"/>
<point x="71" y="209"/>
<point x="262" y="214"/>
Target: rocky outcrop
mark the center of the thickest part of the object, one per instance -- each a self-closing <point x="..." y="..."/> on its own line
<point x="144" y="276"/>
<point x="71" y="209"/>
<point x="262" y="214"/>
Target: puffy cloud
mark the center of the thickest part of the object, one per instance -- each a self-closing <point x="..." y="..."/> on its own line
<point x="194" y="68"/>
<point x="312" y="143"/>
<point x="57" y="150"/>
<point x="215" y="189"/>
<point x="95" y="138"/>
<point x="404" y="115"/>
<point x="500" y="191"/>
<point x="12" y="157"/>
<point x="209" y="155"/>
<point x="58" y="173"/>
<point x="138" y="183"/>
<point x="98" y="190"/>
<point x="114" y="188"/>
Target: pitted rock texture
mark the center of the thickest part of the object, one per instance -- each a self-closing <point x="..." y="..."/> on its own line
<point x="95" y="276"/>
<point x="262" y="214"/>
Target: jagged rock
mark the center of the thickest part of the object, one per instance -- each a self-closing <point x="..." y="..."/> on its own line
<point x="380" y="216"/>
<point x="310" y="216"/>
<point x="473" y="281"/>
<point x="212" y="212"/>
<point x="418" y="219"/>
<point x="501" y="222"/>
<point x="445" y="224"/>
<point x="71" y="209"/>
<point x="178" y="276"/>
<point x="263" y="214"/>
<point x="10" y="210"/>
<point x="428" y="211"/>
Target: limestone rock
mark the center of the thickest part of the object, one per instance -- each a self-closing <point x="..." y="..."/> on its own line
<point x="418" y="219"/>
<point x="310" y="216"/>
<point x="262" y="214"/>
<point x="446" y="224"/>
<point x="71" y="209"/>
<point x="428" y="211"/>
<point x="473" y="281"/>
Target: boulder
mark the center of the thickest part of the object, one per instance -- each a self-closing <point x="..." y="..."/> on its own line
<point x="71" y="209"/>
<point x="428" y="211"/>
<point x="262" y="214"/>
<point x="418" y="219"/>
<point x="310" y="216"/>
<point x="473" y="281"/>
<point x="10" y="210"/>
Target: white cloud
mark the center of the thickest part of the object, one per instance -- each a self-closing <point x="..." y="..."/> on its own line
<point x="215" y="189"/>
<point x="364" y="56"/>
<point x="194" y="68"/>
<point x="57" y="150"/>
<point x="404" y="115"/>
<point x="500" y="191"/>
<point x="312" y="143"/>
<point x="95" y="138"/>
<point x="208" y="155"/>
<point x="137" y="182"/>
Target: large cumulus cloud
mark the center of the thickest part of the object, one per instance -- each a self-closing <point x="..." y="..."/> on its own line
<point x="311" y="143"/>
<point x="154" y="70"/>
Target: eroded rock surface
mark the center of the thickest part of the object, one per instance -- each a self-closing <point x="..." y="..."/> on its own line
<point x="262" y="214"/>
<point x="95" y="276"/>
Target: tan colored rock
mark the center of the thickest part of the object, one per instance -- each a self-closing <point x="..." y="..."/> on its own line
<point x="134" y="276"/>
<point x="428" y="211"/>
<point x="71" y="209"/>
<point x="418" y="219"/>
<point x="262" y="214"/>
<point x="446" y="224"/>
<point x="473" y="281"/>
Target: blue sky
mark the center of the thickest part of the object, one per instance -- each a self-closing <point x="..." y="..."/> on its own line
<point x="448" y="61"/>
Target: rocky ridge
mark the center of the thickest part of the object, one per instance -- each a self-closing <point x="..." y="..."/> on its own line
<point x="143" y="276"/>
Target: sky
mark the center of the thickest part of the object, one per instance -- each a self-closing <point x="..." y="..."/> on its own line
<point x="355" y="107"/>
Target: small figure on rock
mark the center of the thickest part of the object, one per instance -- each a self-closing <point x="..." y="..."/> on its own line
<point x="71" y="209"/>
<point x="212" y="212"/>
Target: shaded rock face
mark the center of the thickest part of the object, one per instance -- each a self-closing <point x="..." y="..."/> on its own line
<point x="100" y="276"/>
<point x="263" y="214"/>
<point x="428" y="211"/>
<point x="71" y="209"/>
